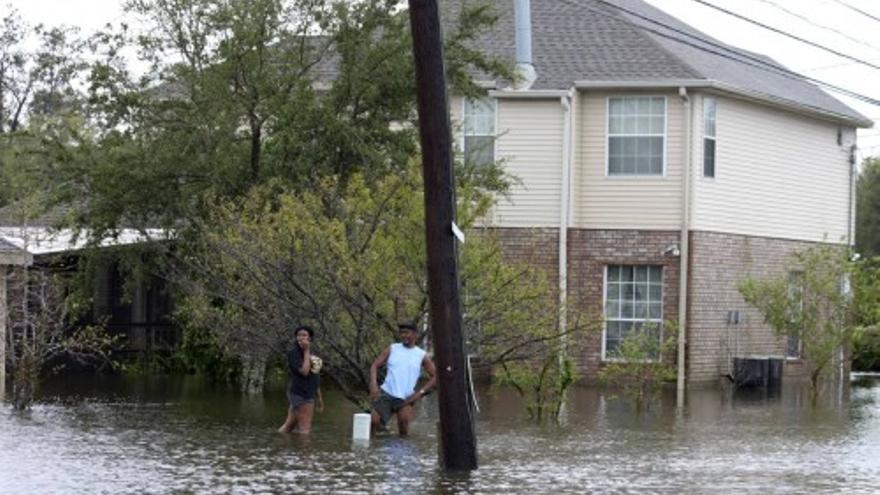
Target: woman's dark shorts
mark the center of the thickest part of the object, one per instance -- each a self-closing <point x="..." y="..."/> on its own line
<point x="296" y="400"/>
<point x="386" y="405"/>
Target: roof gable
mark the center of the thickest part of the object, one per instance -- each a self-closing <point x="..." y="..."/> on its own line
<point x="586" y="40"/>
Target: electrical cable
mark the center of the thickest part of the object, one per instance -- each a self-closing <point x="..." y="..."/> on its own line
<point x="820" y="26"/>
<point x="745" y="59"/>
<point x="860" y="11"/>
<point x="787" y="34"/>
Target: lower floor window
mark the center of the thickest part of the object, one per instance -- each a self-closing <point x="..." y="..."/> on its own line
<point x="793" y="347"/>
<point x="633" y="303"/>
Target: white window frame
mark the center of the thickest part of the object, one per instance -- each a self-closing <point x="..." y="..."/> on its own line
<point x="464" y="126"/>
<point x="711" y="137"/>
<point x="609" y="135"/>
<point x="659" y="321"/>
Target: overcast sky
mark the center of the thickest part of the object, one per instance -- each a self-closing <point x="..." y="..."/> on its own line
<point x="826" y="22"/>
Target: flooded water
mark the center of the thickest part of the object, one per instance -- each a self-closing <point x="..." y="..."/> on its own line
<point x="180" y="436"/>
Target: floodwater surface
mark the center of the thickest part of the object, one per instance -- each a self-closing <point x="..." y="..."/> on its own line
<point x="182" y="436"/>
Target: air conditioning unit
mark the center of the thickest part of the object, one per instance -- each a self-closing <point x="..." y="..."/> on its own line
<point x="757" y="371"/>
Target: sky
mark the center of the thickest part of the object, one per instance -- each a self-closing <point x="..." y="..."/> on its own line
<point x="826" y="22"/>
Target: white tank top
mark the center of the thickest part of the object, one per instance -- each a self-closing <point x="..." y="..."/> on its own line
<point x="404" y="368"/>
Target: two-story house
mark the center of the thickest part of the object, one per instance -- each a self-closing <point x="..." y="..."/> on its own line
<point x="657" y="169"/>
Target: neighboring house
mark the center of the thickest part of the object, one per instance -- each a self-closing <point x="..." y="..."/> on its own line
<point x="137" y="313"/>
<point x="639" y="156"/>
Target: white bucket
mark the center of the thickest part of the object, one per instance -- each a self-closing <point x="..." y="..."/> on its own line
<point x="361" y="427"/>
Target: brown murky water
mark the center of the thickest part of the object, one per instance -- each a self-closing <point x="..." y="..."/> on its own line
<point x="181" y="436"/>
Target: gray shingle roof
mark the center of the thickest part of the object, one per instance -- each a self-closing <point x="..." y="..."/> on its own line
<point x="584" y="40"/>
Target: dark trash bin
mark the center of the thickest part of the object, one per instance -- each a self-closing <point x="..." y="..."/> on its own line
<point x="764" y="371"/>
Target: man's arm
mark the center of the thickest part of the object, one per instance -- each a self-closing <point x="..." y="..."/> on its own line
<point x="374" y="372"/>
<point x="429" y="368"/>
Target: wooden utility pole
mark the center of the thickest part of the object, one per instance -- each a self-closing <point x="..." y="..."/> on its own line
<point x="3" y="319"/>
<point x="458" y="449"/>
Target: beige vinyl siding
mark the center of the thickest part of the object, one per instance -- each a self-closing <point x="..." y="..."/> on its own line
<point x="529" y="145"/>
<point x="777" y="174"/>
<point x="620" y="202"/>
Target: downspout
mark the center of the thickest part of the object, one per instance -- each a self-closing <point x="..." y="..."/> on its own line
<point x="852" y="193"/>
<point x="684" y="260"/>
<point x="850" y="241"/>
<point x="564" y="212"/>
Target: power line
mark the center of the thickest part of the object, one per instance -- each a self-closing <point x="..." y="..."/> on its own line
<point x="816" y="24"/>
<point x="745" y="58"/>
<point x="787" y="34"/>
<point x="860" y="11"/>
<point x="834" y="66"/>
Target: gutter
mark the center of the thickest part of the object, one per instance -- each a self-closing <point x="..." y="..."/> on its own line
<point x="684" y="260"/>
<point x="530" y="93"/>
<point x="757" y="96"/>
<point x="568" y="111"/>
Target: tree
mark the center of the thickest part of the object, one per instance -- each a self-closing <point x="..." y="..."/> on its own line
<point x="241" y="93"/>
<point x="37" y="94"/>
<point x="643" y="363"/>
<point x="868" y="209"/>
<point x="815" y="307"/>
<point x="866" y="307"/>
<point x="41" y="337"/>
<point x="350" y="263"/>
<point x="511" y="323"/>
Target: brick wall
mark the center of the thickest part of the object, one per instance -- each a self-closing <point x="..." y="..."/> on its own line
<point x="537" y="247"/>
<point x="589" y="251"/>
<point x="719" y="262"/>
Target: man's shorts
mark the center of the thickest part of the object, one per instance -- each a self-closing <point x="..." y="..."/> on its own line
<point x="386" y="405"/>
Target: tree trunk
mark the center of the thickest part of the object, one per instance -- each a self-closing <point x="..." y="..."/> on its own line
<point x="256" y="147"/>
<point x="253" y="374"/>
<point x="24" y="381"/>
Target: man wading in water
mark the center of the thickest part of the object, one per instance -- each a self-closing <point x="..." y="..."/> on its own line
<point x="405" y="362"/>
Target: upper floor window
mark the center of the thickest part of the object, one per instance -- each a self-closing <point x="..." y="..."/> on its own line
<point x="709" y="110"/>
<point x="636" y="135"/>
<point x="479" y="131"/>
<point x="633" y="303"/>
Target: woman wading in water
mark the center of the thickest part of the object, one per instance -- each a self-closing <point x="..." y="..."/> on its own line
<point x="304" y="383"/>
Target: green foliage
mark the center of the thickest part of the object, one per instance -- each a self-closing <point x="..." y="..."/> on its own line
<point x="814" y="307"/>
<point x="868" y="209"/>
<point x="240" y="94"/>
<point x="866" y="350"/>
<point x="642" y="363"/>
<point x="201" y="353"/>
<point x="511" y="322"/>
<point x="542" y="382"/>
<point x="866" y="303"/>
<point x="349" y="261"/>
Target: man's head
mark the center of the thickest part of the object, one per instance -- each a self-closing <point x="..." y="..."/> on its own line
<point x="408" y="334"/>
